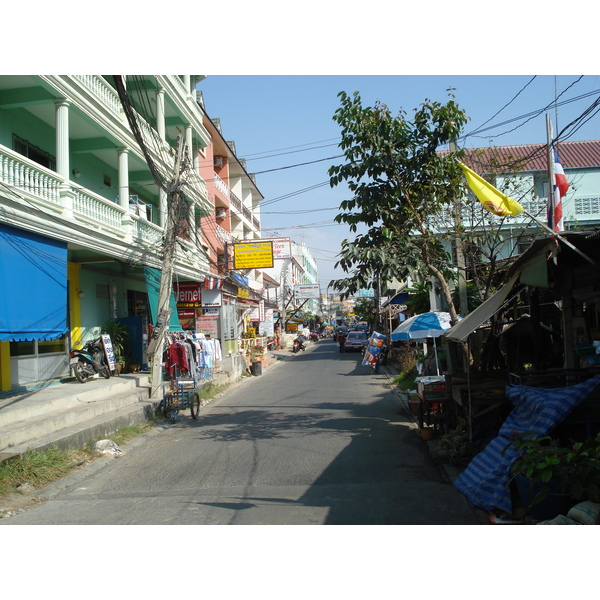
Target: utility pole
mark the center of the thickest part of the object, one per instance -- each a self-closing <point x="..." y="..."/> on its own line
<point x="460" y="255"/>
<point x="166" y="280"/>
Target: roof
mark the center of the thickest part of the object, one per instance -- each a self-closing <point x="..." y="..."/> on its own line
<point x="267" y="279"/>
<point x="533" y="157"/>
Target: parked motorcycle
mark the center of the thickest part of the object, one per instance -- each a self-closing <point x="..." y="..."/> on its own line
<point x="298" y="344"/>
<point x="89" y="360"/>
<point x="314" y="337"/>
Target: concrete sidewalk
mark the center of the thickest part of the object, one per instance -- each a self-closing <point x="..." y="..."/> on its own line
<point x="70" y="414"/>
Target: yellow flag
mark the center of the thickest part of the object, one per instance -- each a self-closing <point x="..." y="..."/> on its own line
<point x="494" y="200"/>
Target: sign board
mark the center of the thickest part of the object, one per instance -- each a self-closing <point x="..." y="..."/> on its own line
<point x="207" y="325"/>
<point x="282" y="247"/>
<point x="211" y="298"/>
<point x="307" y="291"/>
<point x="188" y="295"/>
<point x="109" y="352"/>
<point x="253" y="255"/>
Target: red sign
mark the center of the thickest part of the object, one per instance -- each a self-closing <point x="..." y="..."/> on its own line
<point x="188" y="295"/>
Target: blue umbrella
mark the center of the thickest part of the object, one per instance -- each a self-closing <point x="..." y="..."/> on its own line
<point x="426" y="325"/>
<point x="429" y="324"/>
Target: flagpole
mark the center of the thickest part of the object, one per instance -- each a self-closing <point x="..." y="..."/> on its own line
<point x="551" y="223"/>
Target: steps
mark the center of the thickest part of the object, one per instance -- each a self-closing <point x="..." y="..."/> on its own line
<point x="71" y="414"/>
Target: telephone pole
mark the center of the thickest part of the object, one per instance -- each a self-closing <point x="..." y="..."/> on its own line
<point x="166" y="279"/>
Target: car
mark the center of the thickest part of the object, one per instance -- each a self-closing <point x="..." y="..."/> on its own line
<point x="356" y="340"/>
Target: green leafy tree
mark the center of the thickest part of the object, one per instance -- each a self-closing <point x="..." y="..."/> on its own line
<point x="398" y="181"/>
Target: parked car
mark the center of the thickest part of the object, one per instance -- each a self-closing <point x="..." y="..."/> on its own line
<point x="356" y="340"/>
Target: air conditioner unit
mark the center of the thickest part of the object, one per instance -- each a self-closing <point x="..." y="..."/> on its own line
<point x="218" y="161"/>
<point x="220" y="213"/>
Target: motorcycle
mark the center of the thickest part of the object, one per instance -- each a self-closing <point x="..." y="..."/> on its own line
<point x="89" y="360"/>
<point x="314" y="337"/>
<point x="298" y="344"/>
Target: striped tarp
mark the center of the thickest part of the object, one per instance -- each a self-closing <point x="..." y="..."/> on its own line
<point x="537" y="411"/>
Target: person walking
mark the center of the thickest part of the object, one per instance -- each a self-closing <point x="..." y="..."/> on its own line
<point x="341" y="338"/>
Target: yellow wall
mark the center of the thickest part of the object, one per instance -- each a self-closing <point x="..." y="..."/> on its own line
<point x="75" y="303"/>
<point x="5" y="382"/>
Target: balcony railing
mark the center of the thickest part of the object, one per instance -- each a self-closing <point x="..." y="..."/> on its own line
<point x="26" y="181"/>
<point x="236" y="203"/>
<point x="18" y="172"/>
<point x="222" y="187"/>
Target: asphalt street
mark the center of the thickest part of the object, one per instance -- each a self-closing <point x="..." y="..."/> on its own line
<point x="317" y="439"/>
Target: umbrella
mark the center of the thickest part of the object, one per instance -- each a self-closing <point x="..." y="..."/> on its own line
<point x="426" y="325"/>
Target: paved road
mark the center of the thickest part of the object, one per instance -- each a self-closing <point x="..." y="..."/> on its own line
<point x="317" y="439"/>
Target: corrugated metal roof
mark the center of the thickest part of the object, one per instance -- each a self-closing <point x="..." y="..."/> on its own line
<point x="533" y="157"/>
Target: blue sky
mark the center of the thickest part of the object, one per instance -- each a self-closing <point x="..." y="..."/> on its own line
<point x="280" y="121"/>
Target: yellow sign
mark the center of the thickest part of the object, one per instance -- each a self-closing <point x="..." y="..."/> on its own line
<point x="253" y="255"/>
<point x="243" y="293"/>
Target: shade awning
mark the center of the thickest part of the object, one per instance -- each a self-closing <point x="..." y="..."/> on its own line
<point x="482" y="313"/>
<point x="153" y="276"/>
<point x="33" y="276"/>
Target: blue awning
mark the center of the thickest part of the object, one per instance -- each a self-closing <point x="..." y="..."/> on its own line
<point x="153" y="287"/>
<point x="33" y="280"/>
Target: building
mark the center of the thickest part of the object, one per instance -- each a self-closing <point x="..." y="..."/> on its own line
<point x="82" y="211"/>
<point x="228" y="301"/>
<point x="294" y="266"/>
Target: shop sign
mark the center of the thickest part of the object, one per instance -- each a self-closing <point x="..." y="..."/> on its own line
<point x="307" y="291"/>
<point x="253" y="255"/>
<point x="187" y="318"/>
<point x="243" y="293"/>
<point x="207" y="312"/>
<point x="188" y="295"/>
<point x="109" y="352"/>
<point x="207" y="325"/>
<point x="281" y="247"/>
<point x="211" y="298"/>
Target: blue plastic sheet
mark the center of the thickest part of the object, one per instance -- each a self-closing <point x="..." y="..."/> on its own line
<point x="485" y="482"/>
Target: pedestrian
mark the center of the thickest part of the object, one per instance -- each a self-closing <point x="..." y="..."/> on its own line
<point x="341" y="338"/>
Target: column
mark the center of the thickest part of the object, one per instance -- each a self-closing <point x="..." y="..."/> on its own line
<point x="188" y="143"/>
<point x="62" y="138"/>
<point x="160" y="113"/>
<point x="123" y="154"/>
<point x="66" y="193"/>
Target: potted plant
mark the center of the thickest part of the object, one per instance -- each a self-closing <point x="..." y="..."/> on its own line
<point x="256" y="353"/>
<point x="546" y="471"/>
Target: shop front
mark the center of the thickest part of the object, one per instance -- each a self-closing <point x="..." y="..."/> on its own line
<point x="33" y="308"/>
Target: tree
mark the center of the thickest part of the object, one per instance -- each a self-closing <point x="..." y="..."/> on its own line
<point x="399" y="181"/>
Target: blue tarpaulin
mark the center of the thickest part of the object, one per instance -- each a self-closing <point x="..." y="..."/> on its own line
<point x="33" y="281"/>
<point x="537" y="411"/>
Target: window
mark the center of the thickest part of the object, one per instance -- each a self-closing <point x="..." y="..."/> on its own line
<point x="34" y="153"/>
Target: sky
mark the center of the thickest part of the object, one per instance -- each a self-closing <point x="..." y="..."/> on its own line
<point x="279" y="122"/>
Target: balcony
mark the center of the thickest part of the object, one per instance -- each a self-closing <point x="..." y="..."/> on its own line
<point x="38" y="200"/>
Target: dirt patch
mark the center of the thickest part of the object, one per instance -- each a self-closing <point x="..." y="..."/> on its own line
<point x="18" y="502"/>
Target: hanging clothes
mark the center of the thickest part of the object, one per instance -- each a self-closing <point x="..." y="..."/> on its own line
<point x="177" y="357"/>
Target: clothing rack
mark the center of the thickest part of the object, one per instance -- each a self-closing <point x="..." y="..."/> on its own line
<point x="192" y="355"/>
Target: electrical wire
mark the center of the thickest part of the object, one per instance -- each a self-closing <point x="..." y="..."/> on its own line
<point x="505" y="106"/>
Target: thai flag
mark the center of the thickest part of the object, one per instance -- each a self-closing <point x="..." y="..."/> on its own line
<point x="555" y="214"/>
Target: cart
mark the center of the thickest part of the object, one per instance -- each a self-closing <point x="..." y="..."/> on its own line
<point x="181" y="394"/>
